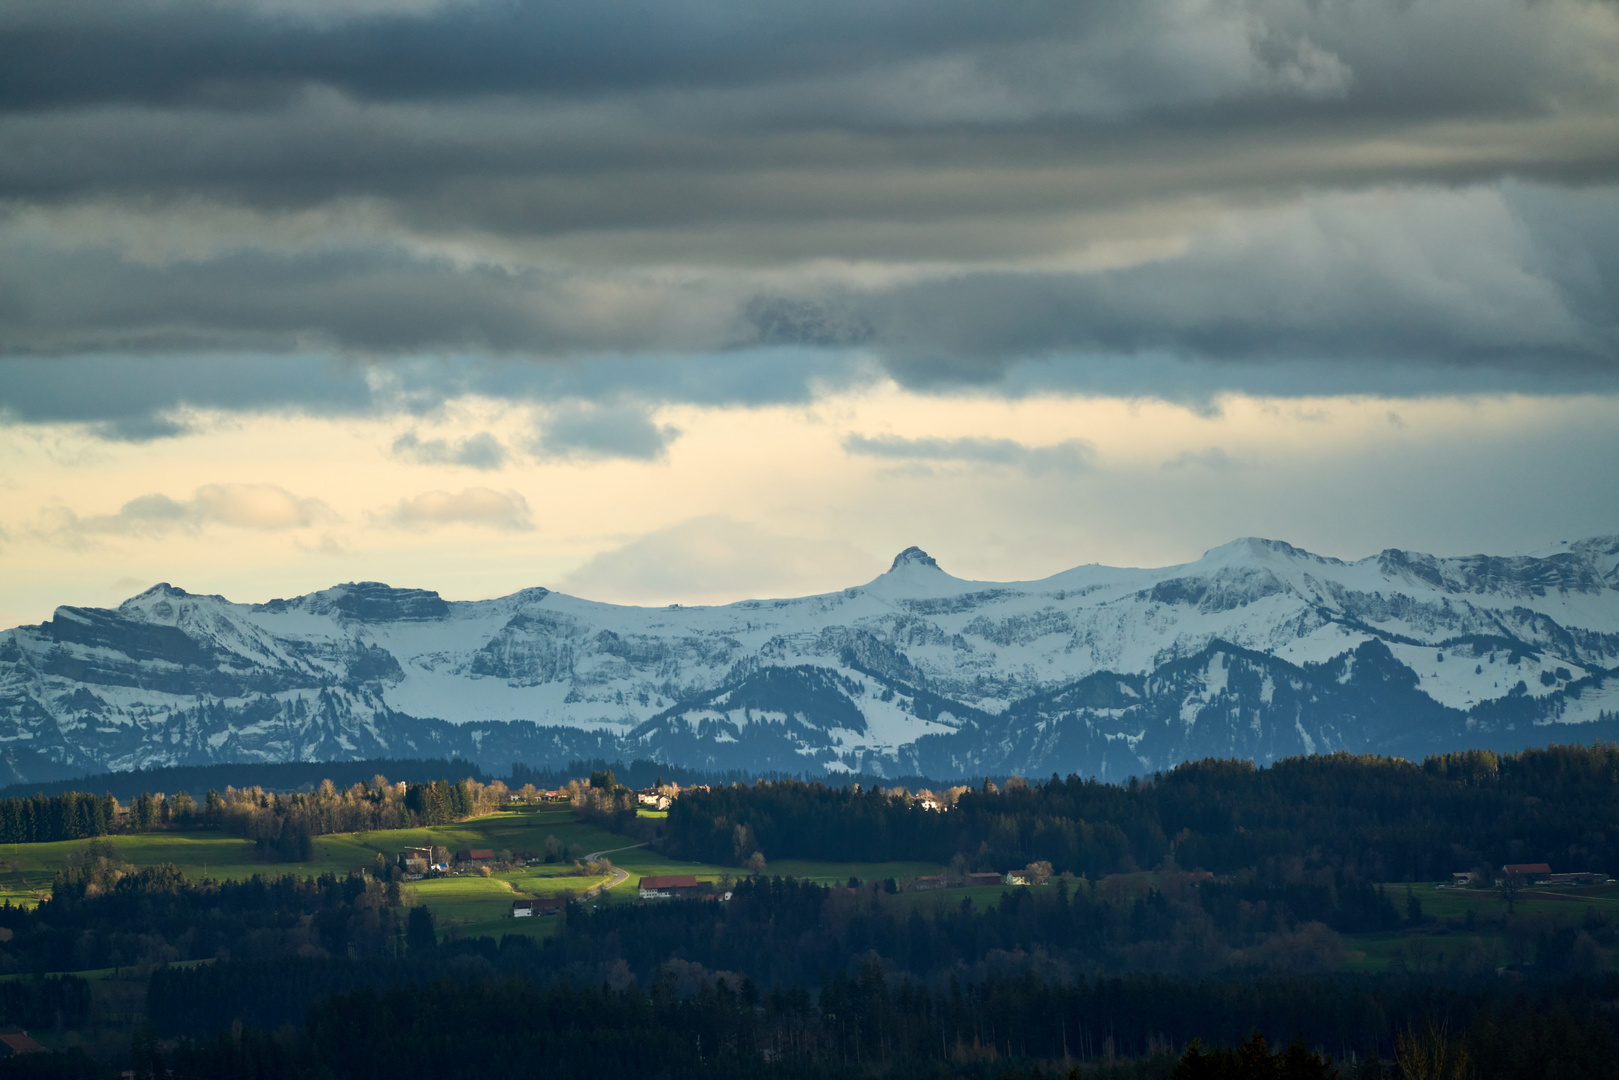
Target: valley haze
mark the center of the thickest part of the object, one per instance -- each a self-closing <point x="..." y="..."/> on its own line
<point x="1258" y="650"/>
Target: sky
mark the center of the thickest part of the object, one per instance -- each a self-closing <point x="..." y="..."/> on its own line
<point x="696" y="300"/>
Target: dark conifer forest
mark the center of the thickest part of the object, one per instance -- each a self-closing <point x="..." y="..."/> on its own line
<point x="1370" y="818"/>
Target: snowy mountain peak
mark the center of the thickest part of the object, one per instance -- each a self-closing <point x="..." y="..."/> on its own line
<point x="1251" y="549"/>
<point x="164" y="603"/>
<point x="913" y="556"/>
<point x="157" y="594"/>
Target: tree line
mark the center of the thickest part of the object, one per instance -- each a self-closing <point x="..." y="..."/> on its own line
<point x="281" y="824"/>
<point x="1373" y="818"/>
<point x="43" y="819"/>
<point x="474" y="1013"/>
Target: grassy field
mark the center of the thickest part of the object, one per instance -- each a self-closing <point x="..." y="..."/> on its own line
<point x="463" y="904"/>
<point x="1450" y="903"/>
<point x="26" y="870"/>
<point x="1446" y="938"/>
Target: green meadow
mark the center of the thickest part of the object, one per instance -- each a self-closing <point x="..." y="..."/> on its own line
<point x="465" y="904"/>
<point x="27" y="870"/>
<point x="1448" y="937"/>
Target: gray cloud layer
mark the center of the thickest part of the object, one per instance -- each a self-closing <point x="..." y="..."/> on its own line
<point x="287" y="205"/>
<point x="603" y="431"/>
<point x="480" y="451"/>
<point x="1068" y="456"/>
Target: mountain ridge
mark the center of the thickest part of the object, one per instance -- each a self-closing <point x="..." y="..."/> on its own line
<point x="1257" y="649"/>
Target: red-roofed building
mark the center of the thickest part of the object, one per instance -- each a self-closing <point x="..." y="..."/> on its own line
<point x="18" y="1042"/>
<point x="1534" y="871"/>
<point x="666" y="886"/>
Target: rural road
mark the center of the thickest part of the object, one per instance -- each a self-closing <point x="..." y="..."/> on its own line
<point x="619" y="876"/>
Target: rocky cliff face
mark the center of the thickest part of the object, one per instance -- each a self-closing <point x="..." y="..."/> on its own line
<point x="1259" y="650"/>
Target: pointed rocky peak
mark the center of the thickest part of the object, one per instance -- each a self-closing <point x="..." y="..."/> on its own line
<point x="913" y="556"/>
<point x="915" y="575"/>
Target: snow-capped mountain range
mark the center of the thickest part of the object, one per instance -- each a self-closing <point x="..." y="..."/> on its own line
<point x="1258" y="650"/>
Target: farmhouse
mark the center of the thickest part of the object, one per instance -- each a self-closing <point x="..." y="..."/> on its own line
<point x="16" y="1043"/>
<point x="1533" y="871"/>
<point x="668" y="886"/>
<point x="416" y="860"/>
<point x="653" y="799"/>
<point x="980" y="880"/>
<point x="928" y="881"/>
<point x="475" y="855"/>
<point x="544" y="905"/>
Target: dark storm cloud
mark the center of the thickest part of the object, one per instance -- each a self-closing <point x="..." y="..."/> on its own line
<point x="1490" y="284"/>
<point x="288" y="204"/>
<point x="126" y="395"/>
<point x="484" y="112"/>
<point x="1481" y="286"/>
<point x="130" y="397"/>
<point x="67" y="53"/>
<point x="1028" y="57"/>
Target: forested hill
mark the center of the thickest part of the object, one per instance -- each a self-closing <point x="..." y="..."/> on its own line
<point x="1370" y="818"/>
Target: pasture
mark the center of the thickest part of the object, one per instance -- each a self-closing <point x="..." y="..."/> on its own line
<point x="466" y="904"/>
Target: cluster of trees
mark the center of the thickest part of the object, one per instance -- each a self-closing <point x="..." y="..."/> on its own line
<point x="45" y="1001"/>
<point x="1372" y="818"/>
<point x="378" y="804"/>
<point x="782" y="930"/>
<point x="475" y="1008"/>
<point x="103" y="912"/>
<point x="280" y="824"/>
<point x="640" y="773"/>
<point x="42" y="819"/>
<point x="602" y="800"/>
<point x="282" y="776"/>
